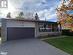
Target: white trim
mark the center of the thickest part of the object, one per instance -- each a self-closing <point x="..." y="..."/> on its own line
<point x="20" y="24"/>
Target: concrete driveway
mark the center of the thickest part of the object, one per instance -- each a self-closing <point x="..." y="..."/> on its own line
<point x="29" y="47"/>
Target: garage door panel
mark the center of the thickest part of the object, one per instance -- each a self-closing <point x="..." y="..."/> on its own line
<point x="19" y="33"/>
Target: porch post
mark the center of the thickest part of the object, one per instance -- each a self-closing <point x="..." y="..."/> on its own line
<point x="51" y="27"/>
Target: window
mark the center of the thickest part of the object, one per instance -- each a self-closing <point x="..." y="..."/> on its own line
<point x="3" y="3"/>
<point x="43" y="27"/>
<point x="54" y="27"/>
<point x="46" y="27"/>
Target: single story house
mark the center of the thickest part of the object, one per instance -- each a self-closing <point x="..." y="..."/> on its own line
<point x="13" y="29"/>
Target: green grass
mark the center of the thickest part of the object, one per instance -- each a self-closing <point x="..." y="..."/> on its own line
<point x="65" y="44"/>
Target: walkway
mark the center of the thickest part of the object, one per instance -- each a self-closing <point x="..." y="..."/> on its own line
<point x="29" y="47"/>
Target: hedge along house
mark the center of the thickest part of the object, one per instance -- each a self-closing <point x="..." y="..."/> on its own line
<point x="13" y="29"/>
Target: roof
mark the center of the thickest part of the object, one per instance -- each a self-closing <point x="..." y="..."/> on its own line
<point x="31" y="20"/>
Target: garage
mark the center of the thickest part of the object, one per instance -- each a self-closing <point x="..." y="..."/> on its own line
<point x="20" y="33"/>
<point x="14" y="29"/>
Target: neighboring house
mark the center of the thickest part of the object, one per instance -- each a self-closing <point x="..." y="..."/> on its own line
<point x="22" y="28"/>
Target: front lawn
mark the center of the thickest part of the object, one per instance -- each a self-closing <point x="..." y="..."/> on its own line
<point x="65" y="43"/>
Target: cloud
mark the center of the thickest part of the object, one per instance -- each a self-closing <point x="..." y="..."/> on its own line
<point x="36" y="5"/>
<point x="45" y="8"/>
<point x="48" y="14"/>
<point x="53" y="18"/>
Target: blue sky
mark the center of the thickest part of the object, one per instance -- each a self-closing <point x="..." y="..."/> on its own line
<point x="44" y="8"/>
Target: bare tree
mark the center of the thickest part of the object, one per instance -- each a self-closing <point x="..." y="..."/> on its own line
<point x="8" y="15"/>
<point x="20" y="15"/>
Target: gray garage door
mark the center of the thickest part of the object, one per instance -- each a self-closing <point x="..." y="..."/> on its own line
<point x="20" y="33"/>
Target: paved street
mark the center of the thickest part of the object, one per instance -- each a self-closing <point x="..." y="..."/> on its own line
<point x="29" y="47"/>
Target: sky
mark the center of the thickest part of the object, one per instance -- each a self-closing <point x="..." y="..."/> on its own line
<point x="46" y="9"/>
